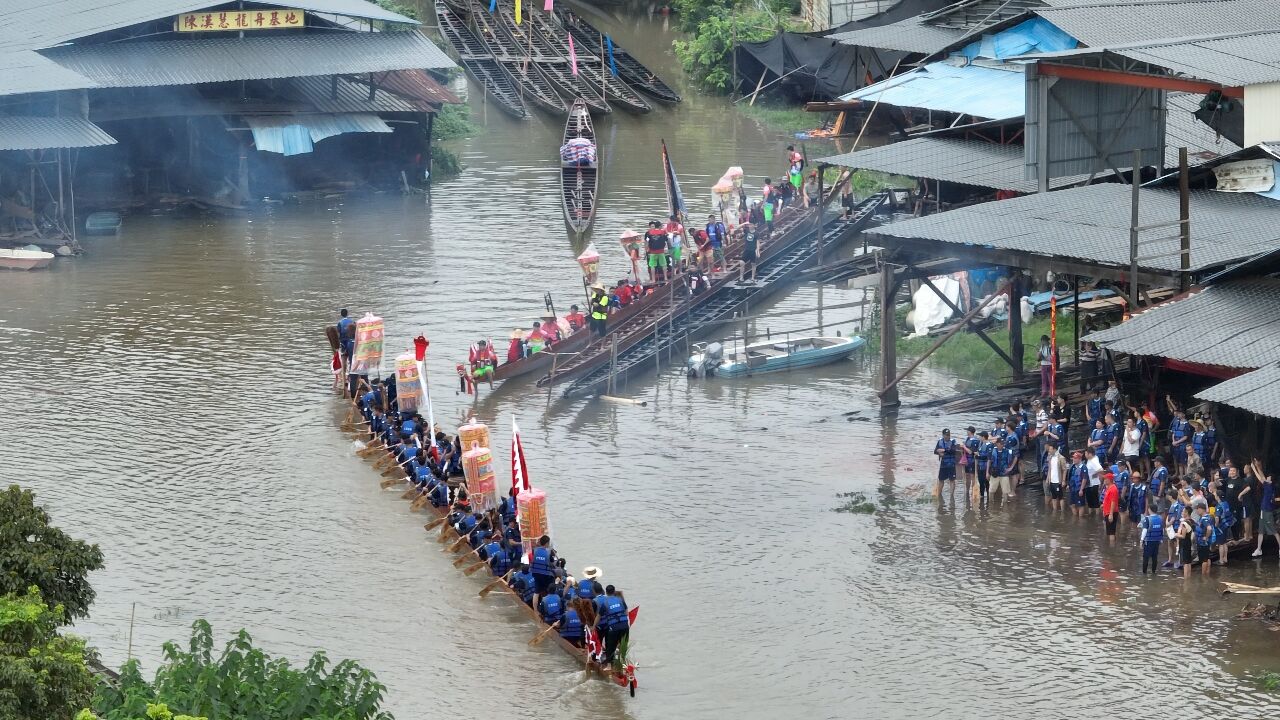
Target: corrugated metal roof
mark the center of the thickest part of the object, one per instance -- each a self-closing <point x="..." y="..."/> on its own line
<point x="958" y="160"/>
<point x="38" y="24"/>
<point x="910" y="35"/>
<point x="185" y="62"/>
<point x="1092" y="223"/>
<point x="38" y="133"/>
<point x="1147" y="20"/>
<point x="351" y="98"/>
<point x="976" y="90"/>
<point x="1235" y="324"/>
<point x="1183" y="129"/>
<point x="1234" y="61"/>
<point x="27" y="71"/>
<point x="418" y="85"/>
<point x="1257" y="392"/>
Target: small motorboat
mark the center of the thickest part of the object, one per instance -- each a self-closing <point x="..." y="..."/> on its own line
<point x="102" y="223"/>
<point x="24" y="259"/>
<point x="770" y="356"/>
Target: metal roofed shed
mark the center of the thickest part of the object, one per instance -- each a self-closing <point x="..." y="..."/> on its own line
<point x="1235" y="325"/>
<point x="1089" y="227"/>
<point x="955" y="160"/>
<point x="184" y="62"/>
<point x="38" y="24"/>
<point x="912" y="35"/>
<point x="296" y="135"/>
<point x="1133" y="21"/>
<point x="39" y="133"/>
<point x="1257" y="392"/>
<point x="977" y="90"/>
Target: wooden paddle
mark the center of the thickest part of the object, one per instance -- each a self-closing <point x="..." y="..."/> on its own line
<point x="471" y="570"/>
<point x="457" y="544"/>
<point x="537" y="639"/>
<point x="396" y="472"/>
<point x="463" y="558"/>
<point x="411" y="492"/>
<point x="390" y="481"/>
<point x="434" y="523"/>
<point x="494" y="583"/>
<point x="420" y="503"/>
<point x="368" y="450"/>
<point x="444" y="529"/>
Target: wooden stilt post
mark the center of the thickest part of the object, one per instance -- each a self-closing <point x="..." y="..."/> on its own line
<point x="1075" y="315"/>
<point x="1015" y="325"/>
<point x="888" y="338"/>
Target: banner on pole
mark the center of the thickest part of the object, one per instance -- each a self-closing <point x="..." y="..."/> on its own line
<point x="408" y="383"/>
<point x="368" y="351"/>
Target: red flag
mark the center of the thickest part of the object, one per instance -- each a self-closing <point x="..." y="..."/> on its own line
<point x="547" y="6"/>
<point x="593" y="643"/>
<point x="519" y="470"/>
<point x="335" y="364"/>
<point x="573" y="56"/>
<point x="632" y="613"/>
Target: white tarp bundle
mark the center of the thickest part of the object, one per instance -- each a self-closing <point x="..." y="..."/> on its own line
<point x="929" y="311"/>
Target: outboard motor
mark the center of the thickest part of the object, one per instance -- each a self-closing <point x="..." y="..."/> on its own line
<point x="705" y="359"/>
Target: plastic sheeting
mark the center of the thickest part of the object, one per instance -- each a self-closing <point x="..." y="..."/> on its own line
<point x="816" y="67"/>
<point x="977" y="90"/>
<point x="295" y="135"/>
<point x="1034" y="35"/>
<point x="929" y="311"/>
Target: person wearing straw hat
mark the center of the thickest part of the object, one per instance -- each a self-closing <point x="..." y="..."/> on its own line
<point x="599" y="310"/>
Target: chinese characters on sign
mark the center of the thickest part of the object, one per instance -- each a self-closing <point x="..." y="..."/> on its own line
<point x="232" y="20"/>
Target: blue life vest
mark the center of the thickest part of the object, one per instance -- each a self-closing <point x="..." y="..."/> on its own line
<point x="541" y="564"/>
<point x="1225" y="518"/>
<point x="1210" y="439"/>
<point x="1174" y="515"/>
<point x="499" y="562"/>
<point x="522" y="582"/>
<point x="1197" y="442"/>
<point x="984" y="454"/>
<point x="466" y="524"/>
<point x="1137" y="499"/>
<point x="422" y="473"/>
<point x="1099" y="434"/>
<point x="1122" y="479"/>
<point x="409" y="427"/>
<point x="1178" y="429"/>
<point x="507" y="509"/>
<point x="613" y="613"/>
<point x="551" y="609"/>
<point x="948" y="456"/>
<point x="1097" y="406"/>
<point x="512" y="534"/>
<point x="479" y="537"/>
<point x="1155" y="528"/>
<point x="1076" y="476"/>
<point x="490" y="549"/>
<point x="586" y="589"/>
<point x="440" y="495"/>
<point x="974" y="444"/>
<point x="1206" y="533"/>
<point x="1158" y="478"/>
<point x="571" y="629"/>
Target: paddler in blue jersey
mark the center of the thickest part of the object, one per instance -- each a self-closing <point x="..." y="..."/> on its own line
<point x="571" y="627"/>
<point x="1152" y="534"/>
<point x="612" y="621"/>
<point x="346" y="335"/>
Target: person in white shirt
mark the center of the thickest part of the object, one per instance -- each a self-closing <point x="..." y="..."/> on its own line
<point x="1130" y="441"/>
<point x="1092" y="497"/>
<point x="1056" y="472"/>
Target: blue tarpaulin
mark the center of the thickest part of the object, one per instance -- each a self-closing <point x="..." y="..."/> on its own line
<point x="978" y="90"/>
<point x="297" y="134"/>
<point x="1034" y="35"/>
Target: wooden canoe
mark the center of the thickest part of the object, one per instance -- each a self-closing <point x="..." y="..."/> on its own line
<point x="624" y="679"/>
<point x="478" y="60"/>
<point x="579" y="183"/>
<point x="632" y="71"/>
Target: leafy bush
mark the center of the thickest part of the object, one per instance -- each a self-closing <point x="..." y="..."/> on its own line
<point x="43" y="675"/>
<point x="708" y="53"/>
<point x="32" y="552"/>
<point x="243" y="683"/>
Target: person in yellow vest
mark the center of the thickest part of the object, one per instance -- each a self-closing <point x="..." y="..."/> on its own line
<point x="599" y="309"/>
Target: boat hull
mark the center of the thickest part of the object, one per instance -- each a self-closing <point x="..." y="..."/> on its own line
<point x="794" y="360"/>
<point x="25" y="260"/>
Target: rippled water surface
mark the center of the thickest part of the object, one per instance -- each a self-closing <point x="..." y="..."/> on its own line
<point x="168" y="397"/>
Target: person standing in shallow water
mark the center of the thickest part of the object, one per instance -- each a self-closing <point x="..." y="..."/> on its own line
<point x="947" y="451"/>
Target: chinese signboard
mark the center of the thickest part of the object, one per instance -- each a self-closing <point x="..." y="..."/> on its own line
<point x="232" y="20"/>
<point x="368" y="353"/>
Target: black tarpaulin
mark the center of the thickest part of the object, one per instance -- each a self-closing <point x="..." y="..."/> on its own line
<point x="814" y="67"/>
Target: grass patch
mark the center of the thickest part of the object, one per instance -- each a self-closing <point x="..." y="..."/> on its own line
<point x="856" y="503"/>
<point x="967" y="355"/>
<point x="789" y="120"/>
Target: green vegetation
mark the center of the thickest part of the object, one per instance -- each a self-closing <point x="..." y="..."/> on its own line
<point x="1270" y="681"/>
<point x="856" y="503"/>
<point x="968" y="356"/>
<point x="43" y="674"/>
<point x="451" y="123"/>
<point x="712" y="25"/>
<point x="789" y="120"/>
<point x="243" y="683"/>
<point x="32" y="552"/>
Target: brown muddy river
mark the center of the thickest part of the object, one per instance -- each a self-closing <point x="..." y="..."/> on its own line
<point x="168" y="397"/>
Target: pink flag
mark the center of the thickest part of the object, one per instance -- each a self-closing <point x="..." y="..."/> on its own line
<point x="547" y="7"/>
<point x="573" y="56"/>
<point x="519" y="470"/>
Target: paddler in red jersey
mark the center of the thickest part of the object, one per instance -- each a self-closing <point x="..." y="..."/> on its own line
<point x="515" y="350"/>
<point x="483" y="361"/>
<point x="575" y="318"/>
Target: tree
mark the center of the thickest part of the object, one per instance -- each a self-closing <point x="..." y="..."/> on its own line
<point x="33" y="552"/>
<point x="243" y="684"/>
<point x="43" y="675"/>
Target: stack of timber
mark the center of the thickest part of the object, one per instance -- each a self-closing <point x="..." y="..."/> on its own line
<point x="642" y="341"/>
<point x="479" y="62"/>
<point x="630" y="70"/>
